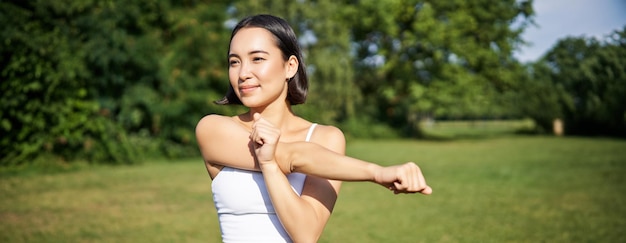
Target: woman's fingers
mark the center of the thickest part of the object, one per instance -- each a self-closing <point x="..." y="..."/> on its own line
<point x="263" y="131"/>
<point x="265" y="136"/>
<point x="410" y="180"/>
<point x="256" y="116"/>
<point x="427" y="191"/>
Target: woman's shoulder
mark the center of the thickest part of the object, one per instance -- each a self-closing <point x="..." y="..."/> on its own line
<point x="329" y="136"/>
<point x="210" y="120"/>
<point x="213" y="118"/>
<point x="328" y="131"/>
<point x="322" y="131"/>
<point x="214" y="122"/>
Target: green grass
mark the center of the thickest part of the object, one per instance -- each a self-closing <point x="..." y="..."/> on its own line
<point x="158" y="202"/>
<point x="502" y="189"/>
<point x="525" y="189"/>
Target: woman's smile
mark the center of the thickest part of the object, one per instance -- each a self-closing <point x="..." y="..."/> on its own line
<point x="247" y="89"/>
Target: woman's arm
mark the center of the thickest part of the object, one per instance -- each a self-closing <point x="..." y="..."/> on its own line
<point x="402" y="178"/>
<point x="224" y="142"/>
<point x="304" y="217"/>
<point x="313" y="159"/>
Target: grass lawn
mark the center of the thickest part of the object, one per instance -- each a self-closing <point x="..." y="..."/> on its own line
<point x="500" y="189"/>
<point x="524" y="189"/>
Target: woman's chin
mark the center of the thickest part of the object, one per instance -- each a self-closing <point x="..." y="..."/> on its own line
<point x="250" y="103"/>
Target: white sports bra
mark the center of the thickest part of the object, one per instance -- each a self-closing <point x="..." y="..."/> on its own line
<point x="244" y="209"/>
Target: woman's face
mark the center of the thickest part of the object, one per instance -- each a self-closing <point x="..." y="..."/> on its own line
<point x="257" y="71"/>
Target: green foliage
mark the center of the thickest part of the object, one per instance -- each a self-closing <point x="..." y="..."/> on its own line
<point x="46" y="105"/>
<point x="106" y="81"/>
<point x="364" y="127"/>
<point x="449" y="59"/>
<point x="118" y="81"/>
<point x="192" y="74"/>
<point x="539" y="98"/>
<point x="582" y="81"/>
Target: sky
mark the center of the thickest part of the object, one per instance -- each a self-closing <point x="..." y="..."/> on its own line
<point x="557" y="19"/>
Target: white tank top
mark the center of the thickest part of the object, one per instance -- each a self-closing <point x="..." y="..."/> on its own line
<point x="244" y="209"/>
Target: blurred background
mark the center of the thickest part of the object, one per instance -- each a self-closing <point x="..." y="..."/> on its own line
<point x="121" y="81"/>
<point x="515" y="110"/>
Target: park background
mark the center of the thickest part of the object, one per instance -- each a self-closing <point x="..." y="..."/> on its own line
<point x="100" y="100"/>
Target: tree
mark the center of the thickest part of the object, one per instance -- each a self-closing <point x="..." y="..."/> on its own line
<point x="592" y="75"/>
<point x="105" y="81"/>
<point x="539" y="98"/>
<point x="190" y="72"/>
<point x="437" y="58"/>
<point x="46" y="103"/>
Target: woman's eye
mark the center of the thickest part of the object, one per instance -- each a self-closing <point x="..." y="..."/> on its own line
<point x="258" y="59"/>
<point x="233" y="62"/>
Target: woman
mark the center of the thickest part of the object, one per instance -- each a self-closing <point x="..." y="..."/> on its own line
<point x="275" y="175"/>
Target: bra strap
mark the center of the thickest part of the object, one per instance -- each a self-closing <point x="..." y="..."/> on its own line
<point x="308" y="135"/>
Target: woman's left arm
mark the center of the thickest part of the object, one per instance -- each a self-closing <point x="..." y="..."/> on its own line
<point x="305" y="216"/>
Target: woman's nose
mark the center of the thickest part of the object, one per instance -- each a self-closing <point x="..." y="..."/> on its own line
<point x="244" y="71"/>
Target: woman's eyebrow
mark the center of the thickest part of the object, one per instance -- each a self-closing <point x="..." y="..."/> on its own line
<point x="257" y="52"/>
<point x="249" y="53"/>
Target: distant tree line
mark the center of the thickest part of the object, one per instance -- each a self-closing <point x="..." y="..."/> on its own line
<point x="582" y="81"/>
<point x="120" y="81"/>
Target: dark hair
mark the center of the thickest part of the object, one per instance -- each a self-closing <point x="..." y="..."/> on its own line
<point x="288" y="44"/>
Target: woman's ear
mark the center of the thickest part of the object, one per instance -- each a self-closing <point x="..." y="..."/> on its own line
<point x="291" y="67"/>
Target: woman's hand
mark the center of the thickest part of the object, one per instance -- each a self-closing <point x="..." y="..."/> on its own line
<point x="265" y="137"/>
<point x="404" y="178"/>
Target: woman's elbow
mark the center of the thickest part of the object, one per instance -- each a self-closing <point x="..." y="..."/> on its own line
<point x="285" y="155"/>
<point x="296" y="156"/>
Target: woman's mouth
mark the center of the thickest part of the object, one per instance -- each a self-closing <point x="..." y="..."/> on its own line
<point x="247" y="88"/>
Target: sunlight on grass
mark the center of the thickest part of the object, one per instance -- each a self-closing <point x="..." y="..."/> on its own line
<point x="157" y="202"/>
<point x="526" y="189"/>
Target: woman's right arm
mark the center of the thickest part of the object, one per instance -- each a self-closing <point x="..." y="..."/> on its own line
<point x="223" y="142"/>
<point x="313" y="159"/>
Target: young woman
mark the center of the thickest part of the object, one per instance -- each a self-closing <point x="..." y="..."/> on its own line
<point x="275" y="175"/>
